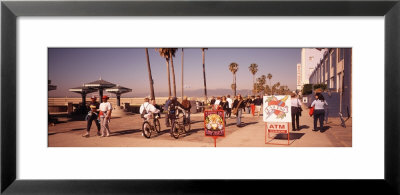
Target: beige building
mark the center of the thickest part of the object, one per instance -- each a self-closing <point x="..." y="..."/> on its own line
<point x="299" y="85"/>
<point x="334" y="70"/>
<point x="310" y="57"/>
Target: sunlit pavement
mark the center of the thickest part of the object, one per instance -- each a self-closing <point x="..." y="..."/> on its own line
<point x="126" y="133"/>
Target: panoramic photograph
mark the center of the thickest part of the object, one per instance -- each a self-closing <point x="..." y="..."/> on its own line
<point x="200" y="97"/>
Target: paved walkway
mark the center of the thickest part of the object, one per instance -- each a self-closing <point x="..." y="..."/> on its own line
<point x="254" y="136"/>
<point x="126" y="133"/>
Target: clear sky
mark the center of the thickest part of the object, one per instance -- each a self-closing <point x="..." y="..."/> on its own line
<point x="72" y="67"/>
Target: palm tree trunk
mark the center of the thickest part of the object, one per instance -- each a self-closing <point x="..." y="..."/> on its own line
<point x="150" y="76"/>
<point x="182" y="76"/>
<point x="169" y="79"/>
<point x="234" y="78"/>
<point x="173" y="73"/>
<point x="204" y="75"/>
<point x="254" y="87"/>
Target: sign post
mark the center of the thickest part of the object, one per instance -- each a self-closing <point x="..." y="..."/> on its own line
<point x="214" y="125"/>
<point x="277" y="116"/>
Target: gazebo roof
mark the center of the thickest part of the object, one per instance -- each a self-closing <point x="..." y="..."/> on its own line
<point x="51" y="87"/>
<point x="118" y="89"/>
<point x="99" y="84"/>
<point x="82" y="89"/>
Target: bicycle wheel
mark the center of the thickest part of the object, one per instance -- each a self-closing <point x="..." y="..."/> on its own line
<point x="175" y="129"/>
<point x="187" y="126"/>
<point x="146" y="129"/>
<point x="157" y="125"/>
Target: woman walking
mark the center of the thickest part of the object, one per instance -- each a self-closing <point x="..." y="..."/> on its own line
<point x="224" y="105"/>
<point x="319" y="110"/>
<point x="296" y="112"/>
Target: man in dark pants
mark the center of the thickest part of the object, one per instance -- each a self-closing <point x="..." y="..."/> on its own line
<point x="93" y="115"/>
<point x="167" y="115"/>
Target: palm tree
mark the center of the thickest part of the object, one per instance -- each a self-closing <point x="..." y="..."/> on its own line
<point x="253" y="68"/>
<point x="164" y="52"/>
<point x="269" y="76"/>
<point x="204" y="72"/>
<point x="234" y="67"/>
<point x="150" y="77"/>
<point x="172" y="52"/>
<point x="182" y="76"/>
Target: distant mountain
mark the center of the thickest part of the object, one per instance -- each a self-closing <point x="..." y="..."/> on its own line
<point x="200" y="93"/>
<point x="189" y="93"/>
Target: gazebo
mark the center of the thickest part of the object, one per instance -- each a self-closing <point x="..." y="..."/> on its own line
<point x="99" y="85"/>
<point x="83" y="91"/>
<point x="118" y="90"/>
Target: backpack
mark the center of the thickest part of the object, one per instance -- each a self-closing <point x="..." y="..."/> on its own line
<point x="144" y="111"/>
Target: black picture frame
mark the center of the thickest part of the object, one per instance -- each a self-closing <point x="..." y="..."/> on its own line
<point x="11" y="10"/>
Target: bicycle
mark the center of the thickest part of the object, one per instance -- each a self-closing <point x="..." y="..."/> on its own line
<point x="149" y="126"/>
<point x="178" y="126"/>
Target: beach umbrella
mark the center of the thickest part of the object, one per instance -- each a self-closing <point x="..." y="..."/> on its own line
<point x="83" y="91"/>
<point x="118" y="90"/>
<point x="99" y="85"/>
<point x="51" y="87"/>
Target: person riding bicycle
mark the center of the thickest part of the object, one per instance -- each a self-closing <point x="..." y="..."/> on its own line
<point x="173" y="108"/>
<point x="147" y="110"/>
<point x="187" y="106"/>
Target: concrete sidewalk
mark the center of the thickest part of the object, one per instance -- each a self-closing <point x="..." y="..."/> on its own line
<point x="334" y="135"/>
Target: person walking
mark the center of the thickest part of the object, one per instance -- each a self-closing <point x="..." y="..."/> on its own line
<point x="93" y="115"/>
<point x="319" y="110"/>
<point x="167" y="102"/>
<point x="224" y="105"/>
<point x="248" y="103"/>
<point x="212" y="101"/>
<point x="216" y="103"/>
<point x="105" y="116"/>
<point x="238" y="106"/>
<point x="230" y="102"/>
<point x="296" y="112"/>
<point x="257" y="105"/>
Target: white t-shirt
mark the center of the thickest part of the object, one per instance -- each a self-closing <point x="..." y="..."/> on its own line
<point x="217" y="102"/>
<point x="319" y="105"/>
<point x="149" y="108"/>
<point x="105" y="106"/>
<point x="229" y="100"/>
<point x="295" y="102"/>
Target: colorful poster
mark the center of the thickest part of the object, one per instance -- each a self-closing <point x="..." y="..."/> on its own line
<point x="277" y="108"/>
<point x="214" y="123"/>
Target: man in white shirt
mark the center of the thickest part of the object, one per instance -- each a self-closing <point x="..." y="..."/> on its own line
<point x="230" y="102"/>
<point x="105" y="116"/>
<point x="149" y="108"/>
<point x="216" y="103"/>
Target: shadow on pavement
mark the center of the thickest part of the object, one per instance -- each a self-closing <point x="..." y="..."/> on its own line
<point x="77" y="129"/>
<point x="124" y="132"/>
<point x="325" y="128"/>
<point x="193" y="131"/>
<point x="304" y="127"/>
<point x="292" y="136"/>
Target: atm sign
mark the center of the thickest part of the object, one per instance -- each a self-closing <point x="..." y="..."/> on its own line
<point x="278" y="127"/>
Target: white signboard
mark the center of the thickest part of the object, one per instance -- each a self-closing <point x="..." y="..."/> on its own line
<point x="277" y="108"/>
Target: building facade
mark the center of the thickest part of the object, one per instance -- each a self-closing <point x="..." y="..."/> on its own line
<point x="299" y="85"/>
<point x="310" y="57"/>
<point x="334" y="70"/>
